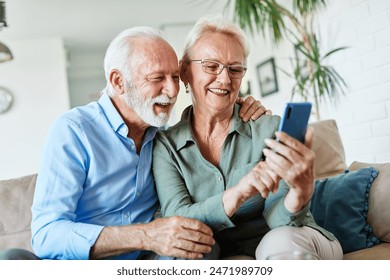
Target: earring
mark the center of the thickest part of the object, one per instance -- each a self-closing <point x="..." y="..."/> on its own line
<point x="186" y="86"/>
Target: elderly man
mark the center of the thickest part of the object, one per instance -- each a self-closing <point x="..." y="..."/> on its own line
<point x="95" y="195"/>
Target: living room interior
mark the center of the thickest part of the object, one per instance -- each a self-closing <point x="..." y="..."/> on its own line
<point x="58" y="49"/>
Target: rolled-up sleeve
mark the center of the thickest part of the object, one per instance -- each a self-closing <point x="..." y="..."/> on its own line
<point x="276" y="214"/>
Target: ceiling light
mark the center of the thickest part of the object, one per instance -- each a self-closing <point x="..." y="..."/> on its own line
<point x="5" y="53"/>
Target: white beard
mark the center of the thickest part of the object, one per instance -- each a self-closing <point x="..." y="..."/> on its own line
<point x="144" y="107"/>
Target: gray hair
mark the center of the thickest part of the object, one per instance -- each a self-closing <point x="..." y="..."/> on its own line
<point x="213" y="24"/>
<point x="119" y="53"/>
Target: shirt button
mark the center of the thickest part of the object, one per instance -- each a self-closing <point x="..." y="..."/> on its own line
<point x="219" y="179"/>
<point x="138" y="194"/>
<point x="133" y="147"/>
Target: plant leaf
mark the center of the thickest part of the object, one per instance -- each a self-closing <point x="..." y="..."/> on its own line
<point x="333" y="51"/>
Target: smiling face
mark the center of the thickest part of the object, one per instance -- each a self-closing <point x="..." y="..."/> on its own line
<point x="214" y="93"/>
<point x="155" y="81"/>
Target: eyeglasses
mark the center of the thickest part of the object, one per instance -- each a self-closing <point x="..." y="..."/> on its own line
<point x="236" y="71"/>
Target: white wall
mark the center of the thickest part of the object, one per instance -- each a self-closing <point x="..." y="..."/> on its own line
<point x="86" y="76"/>
<point x="363" y="115"/>
<point x="37" y="77"/>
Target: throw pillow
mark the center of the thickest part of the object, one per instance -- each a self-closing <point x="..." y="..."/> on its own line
<point x="328" y="148"/>
<point x="340" y="205"/>
<point x="379" y="212"/>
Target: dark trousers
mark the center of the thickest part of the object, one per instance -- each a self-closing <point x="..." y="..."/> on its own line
<point x="17" y="254"/>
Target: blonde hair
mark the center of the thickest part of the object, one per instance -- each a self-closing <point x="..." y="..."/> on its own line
<point x="213" y="24"/>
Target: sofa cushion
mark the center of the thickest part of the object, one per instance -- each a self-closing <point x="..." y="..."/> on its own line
<point x="328" y="148"/>
<point x="378" y="252"/>
<point x="16" y="197"/>
<point x="379" y="210"/>
<point x="340" y="205"/>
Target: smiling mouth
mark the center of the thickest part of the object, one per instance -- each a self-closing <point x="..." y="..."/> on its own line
<point x="218" y="91"/>
<point x="163" y="105"/>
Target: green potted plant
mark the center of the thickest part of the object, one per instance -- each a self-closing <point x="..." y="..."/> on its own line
<point x="297" y="26"/>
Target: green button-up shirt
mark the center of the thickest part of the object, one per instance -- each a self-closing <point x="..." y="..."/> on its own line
<point x="190" y="186"/>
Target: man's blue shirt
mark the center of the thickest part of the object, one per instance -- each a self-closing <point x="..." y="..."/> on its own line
<point x="90" y="177"/>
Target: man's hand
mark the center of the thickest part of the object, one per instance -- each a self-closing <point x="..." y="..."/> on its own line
<point x="251" y="109"/>
<point x="179" y="237"/>
<point x="294" y="162"/>
<point x="175" y="236"/>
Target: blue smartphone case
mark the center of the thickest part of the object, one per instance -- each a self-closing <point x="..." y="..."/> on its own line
<point x="295" y="119"/>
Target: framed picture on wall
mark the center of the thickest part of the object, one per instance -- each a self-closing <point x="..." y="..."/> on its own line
<point x="266" y="73"/>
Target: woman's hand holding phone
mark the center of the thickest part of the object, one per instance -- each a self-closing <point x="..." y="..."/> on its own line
<point x="293" y="161"/>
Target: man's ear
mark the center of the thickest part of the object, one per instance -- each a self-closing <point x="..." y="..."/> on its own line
<point x="117" y="81"/>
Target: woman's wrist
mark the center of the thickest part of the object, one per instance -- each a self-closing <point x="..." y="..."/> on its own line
<point x="295" y="202"/>
<point x="232" y="200"/>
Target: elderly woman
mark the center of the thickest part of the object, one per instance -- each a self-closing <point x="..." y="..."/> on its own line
<point x="209" y="167"/>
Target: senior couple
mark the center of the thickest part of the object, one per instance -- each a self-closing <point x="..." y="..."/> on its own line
<point x="96" y="197"/>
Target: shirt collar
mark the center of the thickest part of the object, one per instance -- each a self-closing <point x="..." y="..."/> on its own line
<point x="116" y="121"/>
<point x="111" y="113"/>
<point x="238" y="125"/>
<point x="186" y="135"/>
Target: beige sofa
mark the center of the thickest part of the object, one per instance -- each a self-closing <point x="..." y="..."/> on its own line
<point x="16" y="196"/>
<point x="330" y="161"/>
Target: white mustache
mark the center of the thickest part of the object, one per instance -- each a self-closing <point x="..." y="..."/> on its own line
<point x="164" y="99"/>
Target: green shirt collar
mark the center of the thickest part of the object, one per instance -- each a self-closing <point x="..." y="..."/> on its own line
<point x="186" y="135"/>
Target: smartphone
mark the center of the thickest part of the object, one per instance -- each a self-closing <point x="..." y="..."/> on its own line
<point x="295" y="119"/>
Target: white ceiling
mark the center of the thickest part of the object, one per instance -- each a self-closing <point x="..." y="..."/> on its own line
<point x="92" y="24"/>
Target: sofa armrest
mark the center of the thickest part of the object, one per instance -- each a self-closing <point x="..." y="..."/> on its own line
<point x="16" y="196"/>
